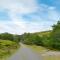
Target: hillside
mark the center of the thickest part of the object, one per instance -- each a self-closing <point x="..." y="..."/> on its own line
<point x="43" y="33"/>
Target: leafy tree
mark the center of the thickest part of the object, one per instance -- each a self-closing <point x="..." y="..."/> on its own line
<point x="56" y="36"/>
<point x="6" y="36"/>
<point x="30" y="38"/>
<point x="12" y="37"/>
<point x="37" y="40"/>
<point x="26" y="38"/>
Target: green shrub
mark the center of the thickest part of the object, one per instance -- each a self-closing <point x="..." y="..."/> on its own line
<point x="7" y="47"/>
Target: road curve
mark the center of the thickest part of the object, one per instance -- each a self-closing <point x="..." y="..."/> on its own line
<point x="24" y="53"/>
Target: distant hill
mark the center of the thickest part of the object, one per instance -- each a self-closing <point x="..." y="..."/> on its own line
<point x="43" y="33"/>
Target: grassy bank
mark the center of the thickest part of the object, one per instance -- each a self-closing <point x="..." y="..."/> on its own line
<point x="45" y="53"/>
<point x="7" y="48"/>
<point x="37" y="49"/>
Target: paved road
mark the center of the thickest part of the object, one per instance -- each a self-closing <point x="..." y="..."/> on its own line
<point x="24" y="53"/>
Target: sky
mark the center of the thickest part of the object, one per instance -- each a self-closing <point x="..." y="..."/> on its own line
<point x="19" y="16"/>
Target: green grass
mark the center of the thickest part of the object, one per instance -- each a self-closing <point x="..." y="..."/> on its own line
<point x="37" y="49"/>
<point x="51" y="57"/>
<point x="41" y="50"/>
<point x="43" y="33"/>
<point x="7" y="48"/>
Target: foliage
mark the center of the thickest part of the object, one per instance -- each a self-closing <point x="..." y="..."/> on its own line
<point x="11" y="37"/>
<point x="7" y="47"/>
<point x="56" y="36"/>
<point x="29" y="38"/>
<point x="26" y="38"/>
<point x="49" y="39"/>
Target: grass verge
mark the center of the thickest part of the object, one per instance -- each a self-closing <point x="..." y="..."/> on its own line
<point x="45" y="53"/>
<point x="7" y="48"/>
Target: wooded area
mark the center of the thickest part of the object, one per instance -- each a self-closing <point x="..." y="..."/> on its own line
<point x="49" y="39"/>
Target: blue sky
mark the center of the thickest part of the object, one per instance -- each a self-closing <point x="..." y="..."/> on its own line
<point x="19" y="16"/>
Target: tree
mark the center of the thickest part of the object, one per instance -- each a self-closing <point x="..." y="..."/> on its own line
<point x="56" y="36"/>
<point x="30" y="38"/>
<point x="27" y="38"/>
<point x="6" y="36"/>
<point x="12" y="37"/>
<point x="16" y="38"/>
<point x="37" y="40"/>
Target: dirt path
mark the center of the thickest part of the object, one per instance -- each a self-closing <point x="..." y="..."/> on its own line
<point x="24" y="53"/>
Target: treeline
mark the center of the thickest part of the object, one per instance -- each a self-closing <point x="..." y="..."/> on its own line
<point x="29" y="38"/>
<point x="49" y="39"/>
<point x="11" y="37"/>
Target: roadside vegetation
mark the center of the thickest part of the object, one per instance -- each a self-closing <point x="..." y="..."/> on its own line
<point x="7" y="48"/>
<point x="39" y="41"/>
<point x="45" y="53"/>
<point x="47" y="39"/>
<point x="46" y="44"/>
<point x="9" y="43"/>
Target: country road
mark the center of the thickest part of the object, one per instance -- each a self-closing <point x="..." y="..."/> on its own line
<point x="25" y="53"/>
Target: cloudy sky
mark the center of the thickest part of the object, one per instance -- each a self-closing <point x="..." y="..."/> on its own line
<point x="19" y="16"/>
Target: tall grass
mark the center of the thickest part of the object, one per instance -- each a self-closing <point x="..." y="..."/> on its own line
<point x="7" y="48"/>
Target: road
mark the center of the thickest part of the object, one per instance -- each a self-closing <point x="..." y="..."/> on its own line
<point x="25" y="53"/>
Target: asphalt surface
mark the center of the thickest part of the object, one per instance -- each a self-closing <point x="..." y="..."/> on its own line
<point x="25" y="53"/>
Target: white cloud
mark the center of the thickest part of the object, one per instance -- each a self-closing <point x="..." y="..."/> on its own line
<point x="23" y="7"/>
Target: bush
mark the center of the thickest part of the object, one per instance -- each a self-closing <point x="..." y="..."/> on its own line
<point x="7" y="47"/>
